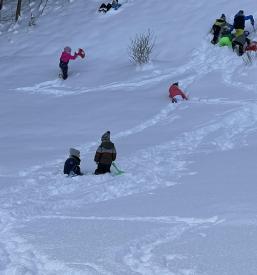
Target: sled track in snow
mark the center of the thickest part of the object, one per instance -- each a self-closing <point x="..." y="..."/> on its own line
<point x="202" y="62"/>
<point x="141" y="176"/>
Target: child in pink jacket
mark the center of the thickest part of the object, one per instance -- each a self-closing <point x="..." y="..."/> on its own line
<point x="64" y="60"/>
<point x="175" y="91"/>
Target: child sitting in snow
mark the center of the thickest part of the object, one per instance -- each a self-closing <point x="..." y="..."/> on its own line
<point x="64" y="60"/>
<point x="71" y="166"/>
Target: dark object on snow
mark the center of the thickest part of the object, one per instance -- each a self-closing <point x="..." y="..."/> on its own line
<point x="105" y="154"/>
<point x="71" y="166"/>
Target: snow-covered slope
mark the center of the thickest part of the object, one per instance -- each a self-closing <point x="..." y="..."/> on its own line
<point x="186" y="204"/>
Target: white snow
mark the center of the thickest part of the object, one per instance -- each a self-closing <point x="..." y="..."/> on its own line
<point x="186" y="204"/>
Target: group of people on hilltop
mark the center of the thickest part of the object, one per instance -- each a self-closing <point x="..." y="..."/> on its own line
<point x="223" y="32"/>
<point x="104" y="156"/>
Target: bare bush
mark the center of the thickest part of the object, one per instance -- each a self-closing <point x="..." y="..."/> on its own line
<point x="141" y="48"/>
<point x="26" y="11"/>
<point x="36" y="11"/>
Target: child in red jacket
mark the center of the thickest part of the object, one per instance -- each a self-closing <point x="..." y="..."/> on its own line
<point x="174" y="91"/>
<point x="64" y="60"/>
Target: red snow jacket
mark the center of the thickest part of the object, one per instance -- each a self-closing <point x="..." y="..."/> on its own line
<point x="66" y="57"/>
<point x="174" y="91"/>
<point x="252" y="46"/>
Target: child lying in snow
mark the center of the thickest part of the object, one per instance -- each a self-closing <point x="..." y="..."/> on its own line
<point x="104" y="8"/>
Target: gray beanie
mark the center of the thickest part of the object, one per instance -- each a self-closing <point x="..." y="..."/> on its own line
<point x="106" y="136"/>
<point x="74" y="152"/>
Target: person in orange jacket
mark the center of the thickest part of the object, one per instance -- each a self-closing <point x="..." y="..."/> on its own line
<point x="175" y="91"/>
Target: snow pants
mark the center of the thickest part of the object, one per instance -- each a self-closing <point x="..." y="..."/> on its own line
<point x="105" y="8"/>
<point x="64" y="68"/>
<point x="103" y="168"/>
<point x="216" y="33"/>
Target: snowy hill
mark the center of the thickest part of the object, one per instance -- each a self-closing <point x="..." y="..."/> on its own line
<point x="187" y="202"/>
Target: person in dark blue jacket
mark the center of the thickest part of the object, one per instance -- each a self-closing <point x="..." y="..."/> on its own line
<point x="239" y="22"/>
<point x="71" y="166"/>
<point x="115" y="4"/>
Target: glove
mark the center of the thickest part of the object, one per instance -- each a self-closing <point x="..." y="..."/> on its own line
<point x="252" y="22"/>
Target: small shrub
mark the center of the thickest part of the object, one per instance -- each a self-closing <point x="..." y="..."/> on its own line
<point x="141" y="48"/>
